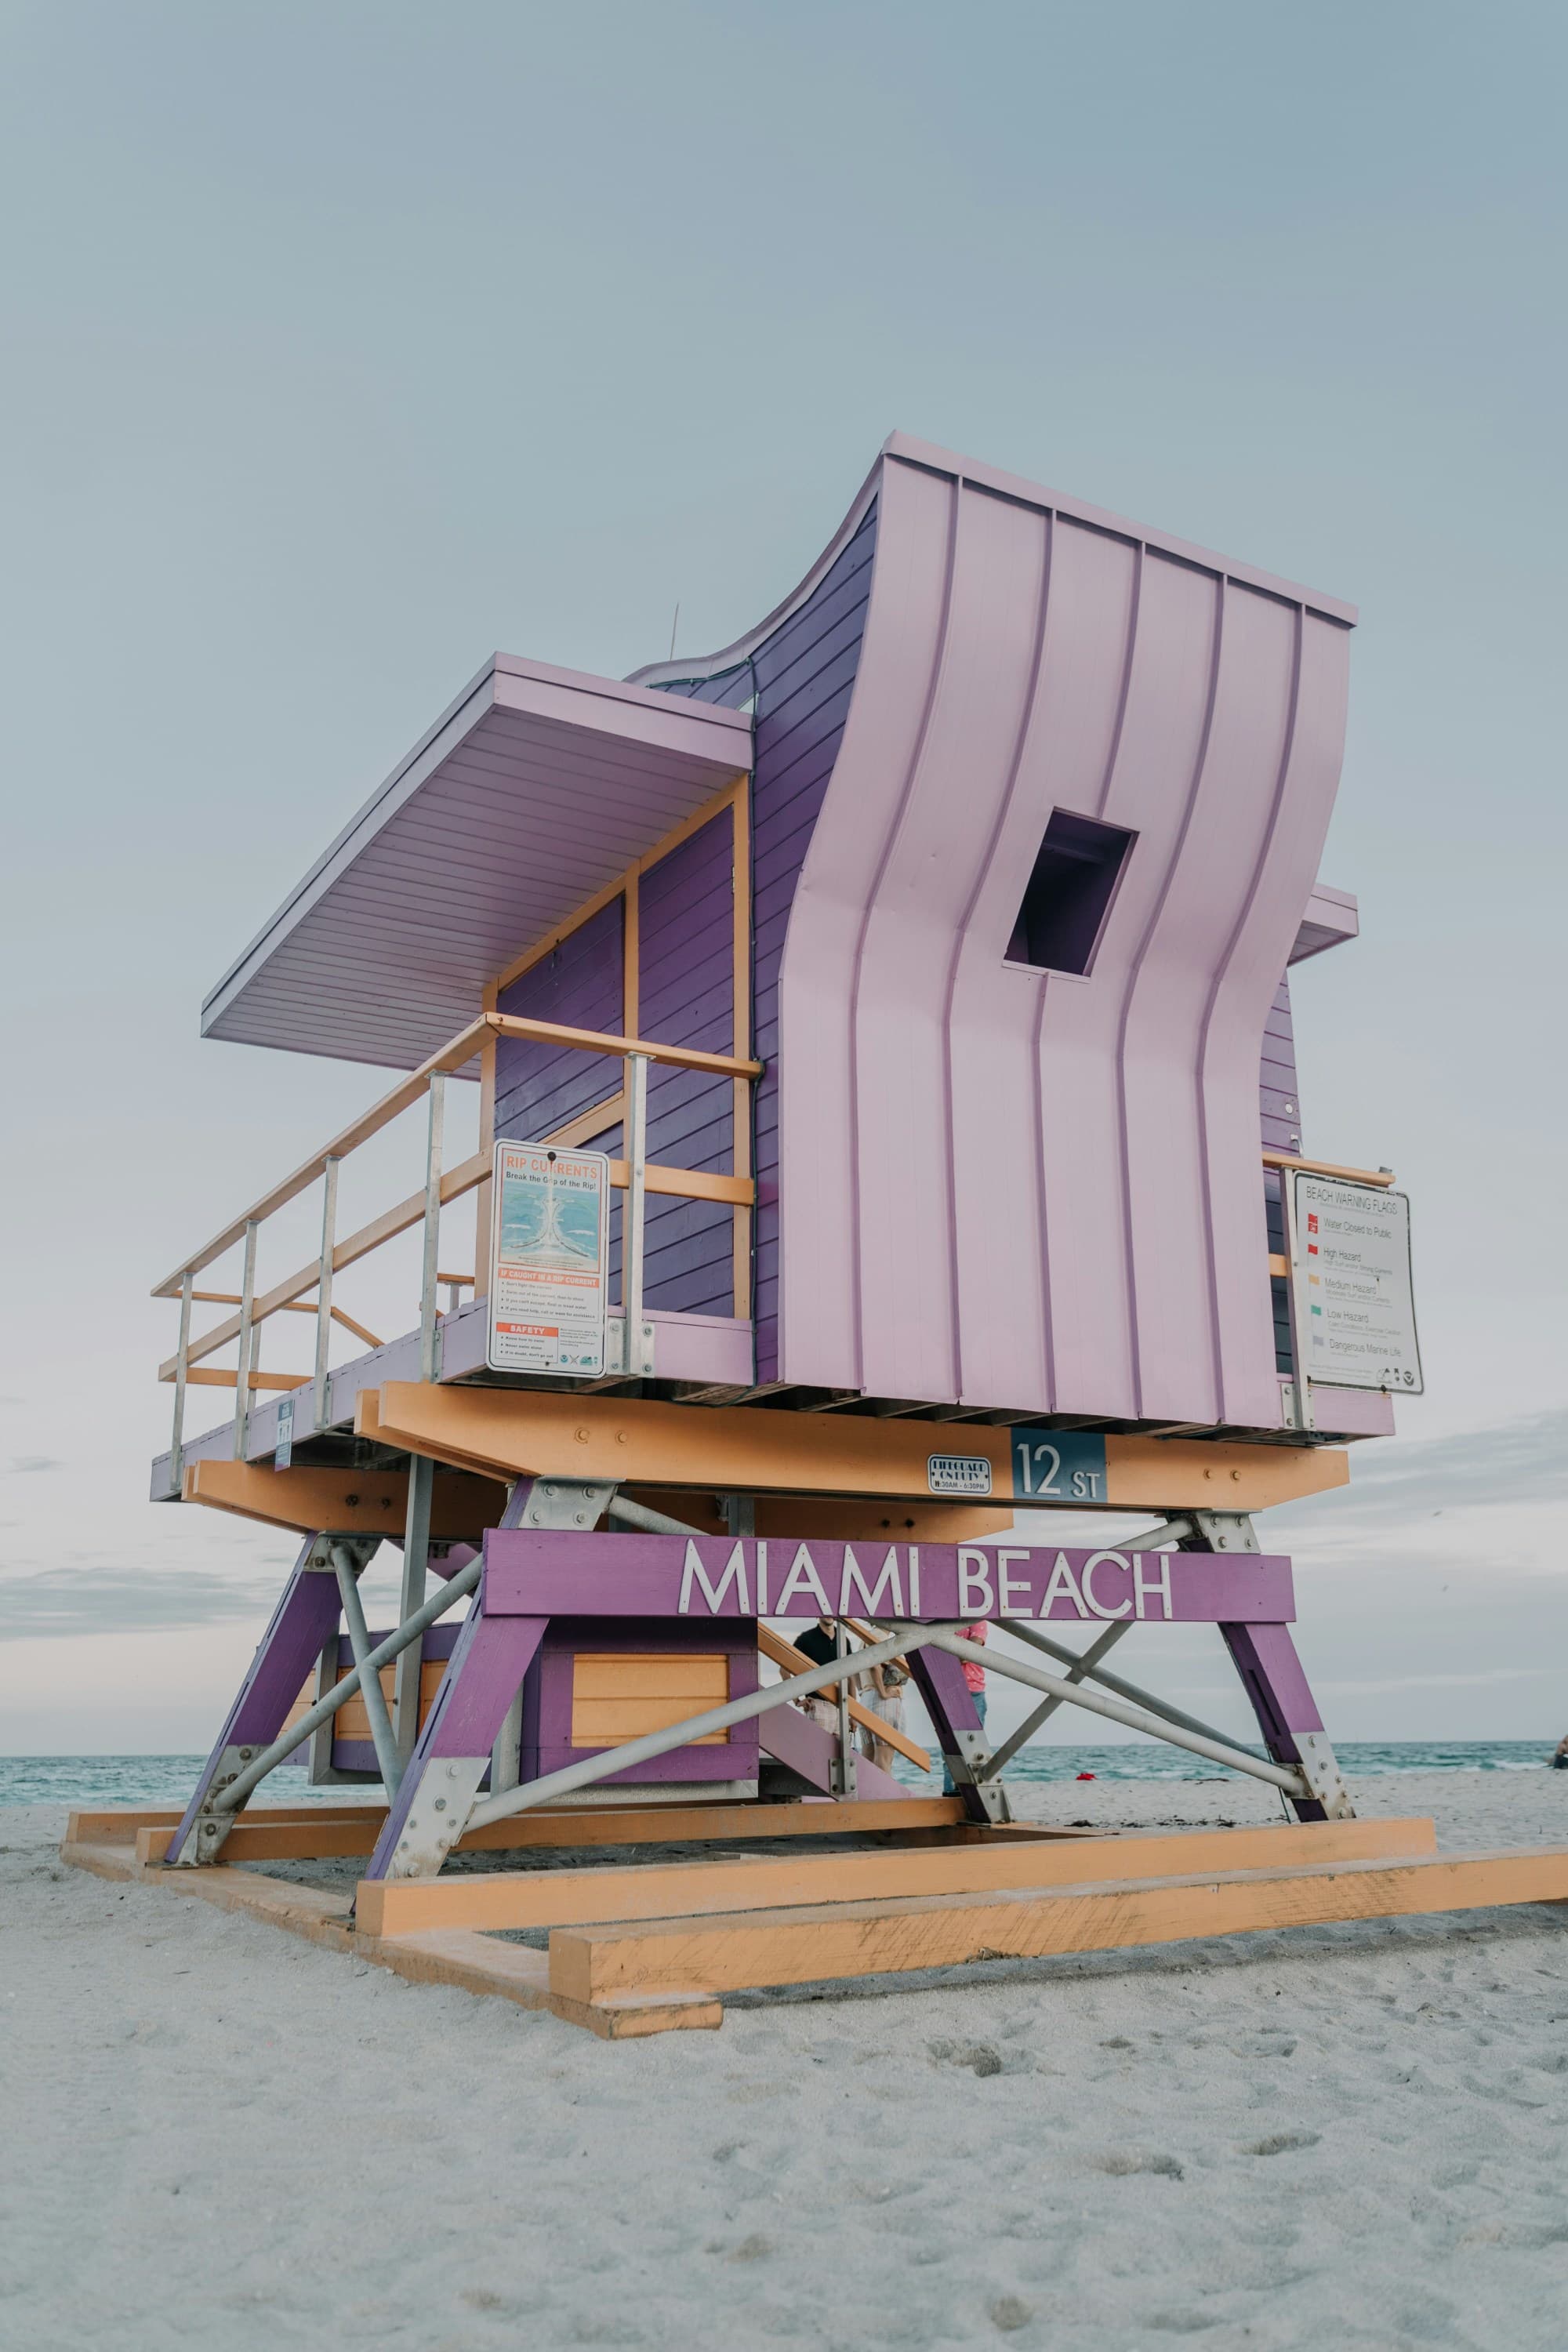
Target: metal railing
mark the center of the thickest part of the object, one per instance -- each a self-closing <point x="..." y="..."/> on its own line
<point x="631" y="1174"/>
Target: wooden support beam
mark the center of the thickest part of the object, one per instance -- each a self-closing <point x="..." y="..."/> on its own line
<point x="742" y="1449"/>
<point x="1378" y="1178"/>
<point x="275" y="1834"/>
<point x="846" y="1519"/>
<point x="346" y="1502"/>
<point x="868" y="1939"/>
<point x="504" y="1900"/>
<point x="601" y="1041"/>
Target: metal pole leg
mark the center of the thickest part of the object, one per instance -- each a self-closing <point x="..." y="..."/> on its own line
<point x="347" y="1568"/>
<point x="407" y="1675"/>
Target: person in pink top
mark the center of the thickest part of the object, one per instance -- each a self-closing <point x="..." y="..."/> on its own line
<point x="974" y="1674"/>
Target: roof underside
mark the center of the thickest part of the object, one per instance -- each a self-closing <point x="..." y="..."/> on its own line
<point x="534" y="791"/>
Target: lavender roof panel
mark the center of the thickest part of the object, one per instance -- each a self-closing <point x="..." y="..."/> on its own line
<point x="532" y="791"/>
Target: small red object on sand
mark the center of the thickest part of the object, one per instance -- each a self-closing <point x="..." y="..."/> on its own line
<point x="1085" y="1776"/>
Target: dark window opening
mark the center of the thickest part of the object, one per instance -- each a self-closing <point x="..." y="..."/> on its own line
<point x="1069" y="892"/>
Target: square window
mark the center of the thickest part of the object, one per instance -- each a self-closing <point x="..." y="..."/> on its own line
<point x="1069" y="893"/>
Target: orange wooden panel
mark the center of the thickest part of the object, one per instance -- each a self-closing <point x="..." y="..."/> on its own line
<point x="617" y="1698"/>
<point x="667" y="1675"/>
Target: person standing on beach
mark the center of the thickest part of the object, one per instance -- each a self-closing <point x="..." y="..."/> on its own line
<point x="974" y="1683"/>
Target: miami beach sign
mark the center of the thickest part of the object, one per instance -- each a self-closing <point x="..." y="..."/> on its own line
<point x="549" y="1241"/>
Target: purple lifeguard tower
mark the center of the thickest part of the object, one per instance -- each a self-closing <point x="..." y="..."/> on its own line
<point x="891" y="1012"/>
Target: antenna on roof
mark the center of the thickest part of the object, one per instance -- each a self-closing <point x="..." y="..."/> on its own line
<point x="673" y="626"/>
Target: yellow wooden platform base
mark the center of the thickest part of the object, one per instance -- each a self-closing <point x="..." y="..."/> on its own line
<point x="651" y="1948"/>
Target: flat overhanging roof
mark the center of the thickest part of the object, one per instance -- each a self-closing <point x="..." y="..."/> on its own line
<point x="534" y="790"/>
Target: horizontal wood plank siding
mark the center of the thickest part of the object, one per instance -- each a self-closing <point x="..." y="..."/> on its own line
<point x="1279" y="1118"/>
<point x="685" y="997"/>
<point x="579" y="983"/>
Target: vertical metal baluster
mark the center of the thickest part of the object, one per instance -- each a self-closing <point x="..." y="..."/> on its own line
<point x="247" y="1339"/>
<point x="182" y="1361"/>
<point x="845" y="1773"/>
<point x="428" y="1319"/>
<point x="324" y="1293"/>
<point x="633" y="1238"/>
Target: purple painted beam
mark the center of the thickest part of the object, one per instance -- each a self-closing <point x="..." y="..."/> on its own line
<point x="1271" y="1674"/>
<point x="306" y="1618"/>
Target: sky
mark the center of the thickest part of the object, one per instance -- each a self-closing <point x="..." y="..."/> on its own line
<point x="343" y="345"/>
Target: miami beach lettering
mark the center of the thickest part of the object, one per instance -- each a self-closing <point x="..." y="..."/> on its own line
<point x="966" y="1582"/>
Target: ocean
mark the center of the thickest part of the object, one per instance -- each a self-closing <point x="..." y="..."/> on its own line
<point x="168" y="1780"/>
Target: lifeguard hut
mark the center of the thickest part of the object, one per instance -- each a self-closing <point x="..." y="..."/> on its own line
<point x="889" y="1135"/>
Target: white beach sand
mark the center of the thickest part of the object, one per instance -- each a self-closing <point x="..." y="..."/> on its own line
<point x="211" y="2133"/>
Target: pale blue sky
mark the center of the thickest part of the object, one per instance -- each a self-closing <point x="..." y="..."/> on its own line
<point x="343" y="345"/>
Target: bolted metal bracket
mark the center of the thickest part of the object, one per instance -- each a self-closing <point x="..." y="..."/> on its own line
<point x="1321" y="1771"/>
<point x="973" y="1754"/>
<point x="1230" y="1531"/>
<point x="565" y="1503"/>
<point x="210" y="1829"/>
<point x="438" y="1815"/>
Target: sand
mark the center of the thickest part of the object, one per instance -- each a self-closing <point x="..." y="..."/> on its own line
<point x="212" y="2134"/>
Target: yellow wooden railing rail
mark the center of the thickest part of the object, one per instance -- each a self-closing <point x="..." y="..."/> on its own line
<point x="631" y="1174"/>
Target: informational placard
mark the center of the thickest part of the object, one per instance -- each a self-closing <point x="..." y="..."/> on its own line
<point x="1356" y="1305"/>
<point x="549" y="1261"/>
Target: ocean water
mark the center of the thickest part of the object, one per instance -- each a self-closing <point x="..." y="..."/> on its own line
<point x="168" y="1780"/>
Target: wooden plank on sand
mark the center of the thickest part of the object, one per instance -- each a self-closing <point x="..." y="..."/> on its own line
<point x="853" y="1939"/>
<point x="560" y="1899"/>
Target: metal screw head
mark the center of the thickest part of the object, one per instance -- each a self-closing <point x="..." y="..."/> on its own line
<point x="440" y="1804"/>
<point x="580" y="1435"/>
<point x="451" y="1771"/>
<point x="246" y="1754"/>
<point x="550" y="1490"/>
<point x="582" y="1519"/>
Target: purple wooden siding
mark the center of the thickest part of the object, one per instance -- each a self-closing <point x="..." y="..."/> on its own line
<point x="802" y="676"/>
<point x="686" y="932"/>
<point x="540" y="1087"/>
<point x="1276" y="1098"/>
<point x="1280" y="1108"/>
